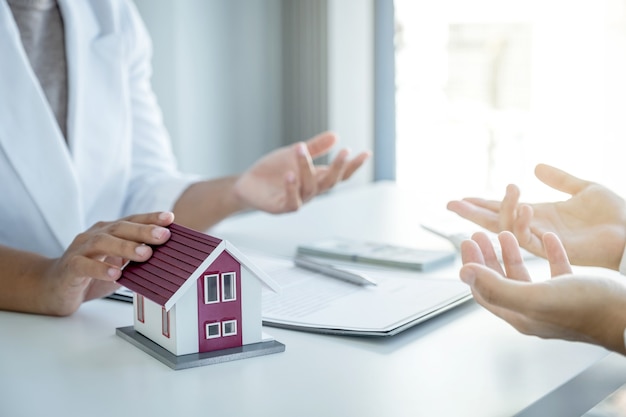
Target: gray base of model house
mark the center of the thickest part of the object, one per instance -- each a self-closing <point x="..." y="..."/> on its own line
<point x="197" y="359"/>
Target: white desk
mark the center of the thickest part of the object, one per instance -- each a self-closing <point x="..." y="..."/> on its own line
<point x="463" y="363"/>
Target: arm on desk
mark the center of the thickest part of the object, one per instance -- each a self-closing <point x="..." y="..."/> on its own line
<point x="574" y="307"/>
<point x="88" y="269"/>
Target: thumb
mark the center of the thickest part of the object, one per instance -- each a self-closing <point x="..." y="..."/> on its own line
<point x="560" y="180"/>
<point x="321" y="144"/>
<point x="491" y="289"/>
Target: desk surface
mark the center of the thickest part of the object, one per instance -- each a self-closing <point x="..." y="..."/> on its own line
<point x="463" y="363"/>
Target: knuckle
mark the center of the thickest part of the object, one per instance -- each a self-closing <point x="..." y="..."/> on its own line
<point x="114" y="228"/>
<point x="98" y="240"/>
<point x="128" y="249"/>
<point x="71" y="264"/>
<point x="99" y="225"/>
<point x="81" y="238"/>
<point x="293" y="206"/>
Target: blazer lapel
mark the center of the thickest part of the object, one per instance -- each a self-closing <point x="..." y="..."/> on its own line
<point x="97" y="111"/>
<point x="32" y="140"/>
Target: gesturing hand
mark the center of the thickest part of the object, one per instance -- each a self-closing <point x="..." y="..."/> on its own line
<point x="591" y="223"/>
<point x="286" y="178"/>
<point x="569" y="306"/>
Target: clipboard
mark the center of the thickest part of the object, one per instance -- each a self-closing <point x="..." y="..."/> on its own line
<point x="314" y="302"/>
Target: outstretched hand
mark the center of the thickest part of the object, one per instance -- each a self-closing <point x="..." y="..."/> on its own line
<point x="286" y="178"/>
<point x="570" y="306"/>
<point x="591" y="223"/>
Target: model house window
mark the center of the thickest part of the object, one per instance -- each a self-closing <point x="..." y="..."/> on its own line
<point x="165" y="318"/>
<point x="211" y="294"/>
<point x="229" y="328"/>
<point x="229" y="290"/>
<point x="213" y="330"/>
<point x="140" y="309"/>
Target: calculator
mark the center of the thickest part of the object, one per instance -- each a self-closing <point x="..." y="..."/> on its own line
<point x="378" y="253"/>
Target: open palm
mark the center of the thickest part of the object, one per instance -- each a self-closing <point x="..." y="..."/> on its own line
<point x="286" y="178"/>
<point x="591" y="223"/>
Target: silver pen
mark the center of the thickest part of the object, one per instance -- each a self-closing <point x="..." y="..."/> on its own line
<point x="332" y="271"/>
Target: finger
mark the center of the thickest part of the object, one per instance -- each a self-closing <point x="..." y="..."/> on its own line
<point x="560" y="180"/>
<point x="488" y="251"/>
<point x="355" y="164"/>
<point x="321" y="144"/>
<point x="528" y="236"/>
<point x="470" y="253"/>
<point x="477" y="211"/>
<point x="99" y="289"/>
<point x="120" y="239"/>
<point x="100" y="245"/>
<point x="83" y="266"/>
<point x="306" y="174"/>
<point x="161" y="218"/>
<point x="150" y="228"/>
<point x="491" y="298"/>
<point x="512" y="257"/>
<point x="334" y="172"/>
<point x="557" y="257"/>
<point x="491" y="205"/>
<point x="521" y="225"/>
<point x="292" y="198"/>
<point x="115" y="261"/>
<point x="493" y="291"/>
<point x="508" y="208"/>
<point x="131" y="231"/>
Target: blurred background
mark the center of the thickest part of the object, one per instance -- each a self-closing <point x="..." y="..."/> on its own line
<point x="455" y="97"/>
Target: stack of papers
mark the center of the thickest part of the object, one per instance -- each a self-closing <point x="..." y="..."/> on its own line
<point x="314" y="302"/>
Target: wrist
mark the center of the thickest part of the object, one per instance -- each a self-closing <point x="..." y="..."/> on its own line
<point x="237" y="195"/>
<point x="59" y="295"/>
<point x="206" y="203"/>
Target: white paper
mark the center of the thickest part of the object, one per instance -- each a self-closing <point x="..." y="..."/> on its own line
<point x="314" y="301"/>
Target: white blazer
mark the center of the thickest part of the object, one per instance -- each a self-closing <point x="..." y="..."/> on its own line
<point x="118" y="159"/>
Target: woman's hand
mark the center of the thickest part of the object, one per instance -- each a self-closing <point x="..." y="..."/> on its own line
<point x="87" y="269"/>
<point x="285" y="179"/>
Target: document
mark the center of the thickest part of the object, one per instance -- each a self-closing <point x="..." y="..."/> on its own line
<point x="315" y="302"/>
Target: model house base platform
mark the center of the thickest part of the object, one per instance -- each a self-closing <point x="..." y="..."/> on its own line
<point x="198" y="359"/>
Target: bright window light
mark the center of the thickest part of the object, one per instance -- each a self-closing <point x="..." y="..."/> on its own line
<point x="486" y="89"/>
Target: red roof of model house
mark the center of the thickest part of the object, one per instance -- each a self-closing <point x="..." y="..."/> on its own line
<point x="168" y="273"/>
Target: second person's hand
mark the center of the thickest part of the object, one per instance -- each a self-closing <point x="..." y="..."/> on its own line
<point x="591" y="223"/>
<point x="569" y="306"/>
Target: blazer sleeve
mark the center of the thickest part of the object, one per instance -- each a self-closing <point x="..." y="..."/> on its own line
<point x="155" y="181"/>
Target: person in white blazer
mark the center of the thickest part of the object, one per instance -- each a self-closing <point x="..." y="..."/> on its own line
<point x="587" y="229"/>
<point x="74" y="207"/>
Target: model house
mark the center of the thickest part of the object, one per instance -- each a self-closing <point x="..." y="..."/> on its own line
<point x="197" y="294"/>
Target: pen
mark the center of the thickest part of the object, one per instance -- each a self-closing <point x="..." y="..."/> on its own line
<point x="332" y="271"/>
